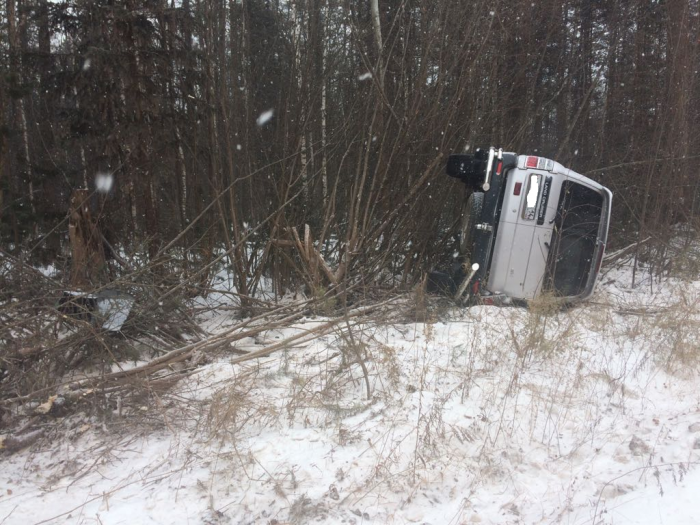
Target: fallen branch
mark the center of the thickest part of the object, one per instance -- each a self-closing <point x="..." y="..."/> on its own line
<point x="210" y="344"/>
<point x="311" y="335"/>
<point x="15" y="443"/>
<point x="179" y="354"/>
<point x="611" y="257"/>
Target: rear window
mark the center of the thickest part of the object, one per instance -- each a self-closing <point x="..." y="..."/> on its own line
<point x="574" y="241"/>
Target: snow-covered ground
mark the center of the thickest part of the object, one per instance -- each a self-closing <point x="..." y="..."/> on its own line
<point x="486" y="415"/>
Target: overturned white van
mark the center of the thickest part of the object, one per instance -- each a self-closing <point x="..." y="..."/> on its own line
<point x="529" y="226"/>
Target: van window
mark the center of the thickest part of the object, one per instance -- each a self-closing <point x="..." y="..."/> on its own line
<point x="574" y="240"/>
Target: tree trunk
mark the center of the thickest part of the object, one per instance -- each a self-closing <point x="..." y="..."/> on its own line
<point x="88" y="258"/>
<point x="20" y="112"/>
<point x="377" y="27"/>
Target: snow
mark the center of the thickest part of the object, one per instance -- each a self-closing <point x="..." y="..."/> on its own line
<point x="485" y="415"/>
<point x="104" y="182"/>
<point x="364" y="76"/>
<point x="265" y="117"/>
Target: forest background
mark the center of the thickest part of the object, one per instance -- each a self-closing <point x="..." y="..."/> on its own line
<point x="305" y="140"/>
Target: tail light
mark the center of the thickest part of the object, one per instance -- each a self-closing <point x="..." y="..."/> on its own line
<point x="539" y="163"/>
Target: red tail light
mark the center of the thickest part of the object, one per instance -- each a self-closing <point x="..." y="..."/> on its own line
<point x="539" y="163"/>
<point x="518" y="188"/>
<point x="531" y="162"/>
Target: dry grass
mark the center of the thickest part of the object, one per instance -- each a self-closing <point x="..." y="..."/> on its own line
<point x="452" y="395"/>
<point x="504" y="371"/>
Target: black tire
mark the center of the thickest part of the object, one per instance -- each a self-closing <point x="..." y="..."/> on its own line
<point x="470" y="218"/>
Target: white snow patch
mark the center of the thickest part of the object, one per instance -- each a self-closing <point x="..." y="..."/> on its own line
<point x="104" y="182"/>
<point x="265" y="117"/>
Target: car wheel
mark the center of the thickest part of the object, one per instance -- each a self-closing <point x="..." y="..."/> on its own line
<point x="470" y="218"/>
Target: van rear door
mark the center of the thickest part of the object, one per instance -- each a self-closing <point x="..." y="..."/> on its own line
<point x="524" y="233"/>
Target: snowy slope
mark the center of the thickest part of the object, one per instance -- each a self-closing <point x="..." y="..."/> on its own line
<point x="490" y="415"/>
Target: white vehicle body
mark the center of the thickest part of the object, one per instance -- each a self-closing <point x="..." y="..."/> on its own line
<point x="530" y="225"/>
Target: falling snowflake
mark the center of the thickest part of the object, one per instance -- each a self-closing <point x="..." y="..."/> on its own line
<point x="87" y="64"/>
<point x="103" y="182"/>
<point x="239" y="147"/>
<point x="265" y="117"/>
<point x="364" y="76"/>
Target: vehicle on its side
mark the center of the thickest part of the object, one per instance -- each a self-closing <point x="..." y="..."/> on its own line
<point x="529" y="226"/>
